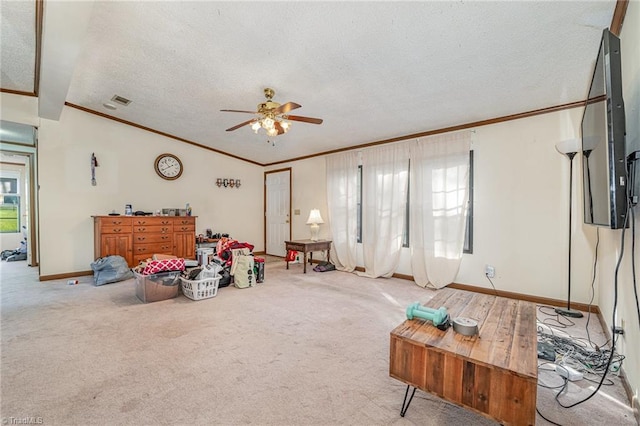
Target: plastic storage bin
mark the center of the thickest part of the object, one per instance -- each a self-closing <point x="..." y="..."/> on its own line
<point x="200" y="289"/>
<point x="156" y="287"/>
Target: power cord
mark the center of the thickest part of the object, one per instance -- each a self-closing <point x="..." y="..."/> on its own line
<point x="572" y="352"/>
<point x="494" y="287"/>
<point x="613" y="322"/>
<point x="550" y="421"/>
<point x="558" y="319"/>
<point x="632" y="202"/>
<point x="593" y="281"/>
<point x="633" y="261"/>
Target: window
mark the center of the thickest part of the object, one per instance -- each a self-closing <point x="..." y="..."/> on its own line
<point x="9" y="206"/>
<point x="405" y="234"/>
<point x="468" y="233"/>
<point x="359" y="204"/>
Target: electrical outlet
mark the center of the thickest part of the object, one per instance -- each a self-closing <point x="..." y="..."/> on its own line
<point x="489" y="271"/>
<point x="619" y="329"/>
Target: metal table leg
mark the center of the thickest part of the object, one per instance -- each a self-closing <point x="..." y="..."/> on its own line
<point x="405" y="403"/>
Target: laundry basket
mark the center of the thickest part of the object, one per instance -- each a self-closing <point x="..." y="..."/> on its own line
<point x="156" y="287"/>
<point x="200" y="289"/>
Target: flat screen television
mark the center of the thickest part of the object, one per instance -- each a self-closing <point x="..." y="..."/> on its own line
<point x="603" y="140"/>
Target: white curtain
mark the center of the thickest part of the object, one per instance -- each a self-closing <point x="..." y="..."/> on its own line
<point x="342" y="200"/>
<point x="385" y="176"/>
<point x="438" y="209"/>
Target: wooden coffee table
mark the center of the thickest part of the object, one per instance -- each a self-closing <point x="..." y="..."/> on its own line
<point x="494" y="374"/>
<point x="308" y="246"/>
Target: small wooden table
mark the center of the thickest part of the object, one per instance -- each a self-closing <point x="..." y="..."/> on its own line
<point x="494" y="373"/>
<point x="308" y="246"/>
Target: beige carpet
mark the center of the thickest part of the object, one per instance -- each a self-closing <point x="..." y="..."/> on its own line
<point x="296" y="350"/>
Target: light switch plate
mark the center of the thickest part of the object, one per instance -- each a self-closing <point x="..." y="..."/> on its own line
<point x="296" y="212"/>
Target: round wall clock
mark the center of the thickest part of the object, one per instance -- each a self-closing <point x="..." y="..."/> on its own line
<point x="168" y="166"/>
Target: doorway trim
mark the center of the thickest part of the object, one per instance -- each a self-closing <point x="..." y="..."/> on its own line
<point x="264" y="214"/>
<point x="30" y="152"/>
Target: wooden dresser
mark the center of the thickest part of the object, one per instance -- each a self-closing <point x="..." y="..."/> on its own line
<point x="139" y="237"/>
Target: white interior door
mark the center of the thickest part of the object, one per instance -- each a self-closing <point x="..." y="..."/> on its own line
<point x="277" y="211"/>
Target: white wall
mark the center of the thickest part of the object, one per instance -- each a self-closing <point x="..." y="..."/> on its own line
<point x="521" y="196"/>
<point x="521" y="187"/>
<point x="308" y="191"/>
<point x="126" y="175"/>
<point x="19" y="109"/>
<point x="629" y="344"/>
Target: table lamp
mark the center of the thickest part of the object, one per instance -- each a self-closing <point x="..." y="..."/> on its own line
<point x="314" y="220"/>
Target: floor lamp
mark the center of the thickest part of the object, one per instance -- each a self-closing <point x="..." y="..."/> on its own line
<point x="569" y="148"/>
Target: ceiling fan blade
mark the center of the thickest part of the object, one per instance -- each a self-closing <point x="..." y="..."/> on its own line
<point x="231" y="129"/>
<point x="304" y="119"/>
<point x="237" y="110"/>
<point x="285" y="108"/>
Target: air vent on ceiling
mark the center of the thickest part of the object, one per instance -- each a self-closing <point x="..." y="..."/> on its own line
<point x="121" y="100"/>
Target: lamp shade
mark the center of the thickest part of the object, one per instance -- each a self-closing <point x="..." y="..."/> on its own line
<point x="314" y="217"/>
<point x="590" y="142"/>
<point x="568" y="146"/>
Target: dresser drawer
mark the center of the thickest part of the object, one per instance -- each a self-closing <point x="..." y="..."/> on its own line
<point x="152" y="220"/>
<point x="115" y="229"/>
<point x="151" y="248"/>
<point x="115" y="220"/>
<point x="184" y="228"/>
<point x="145" y="237"/>
<point x="296" y="247"/>
<point x="114" y="225"/>
<point x="184" y="221"/>
<point x="152" y="229"/>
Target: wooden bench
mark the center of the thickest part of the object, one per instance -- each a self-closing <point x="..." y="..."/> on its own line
<point x="494" y="374"/>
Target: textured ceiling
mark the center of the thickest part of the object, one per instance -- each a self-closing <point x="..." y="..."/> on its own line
<point x="17" y="45"/>
<point x="371" y="70"/>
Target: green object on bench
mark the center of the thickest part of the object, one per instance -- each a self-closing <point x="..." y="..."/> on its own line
<point x="439" y="317"/>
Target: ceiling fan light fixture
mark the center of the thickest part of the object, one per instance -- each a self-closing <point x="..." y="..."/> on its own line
<point x="272" y="116"/>
<point x="267" y="123"/>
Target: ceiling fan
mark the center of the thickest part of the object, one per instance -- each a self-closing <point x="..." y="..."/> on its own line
<point x="272" y="117"/>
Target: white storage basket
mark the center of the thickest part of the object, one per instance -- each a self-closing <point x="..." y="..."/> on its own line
<point x="200" y="289"/>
